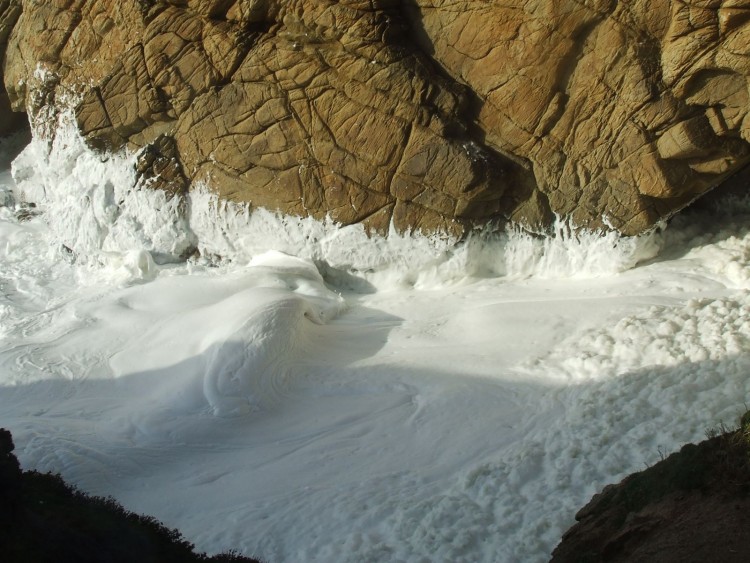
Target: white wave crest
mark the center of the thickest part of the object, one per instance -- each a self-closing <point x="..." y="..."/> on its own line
<point x="94" y="206"/>
<point x="572" y="253"/>
<point x="91" y="201"/>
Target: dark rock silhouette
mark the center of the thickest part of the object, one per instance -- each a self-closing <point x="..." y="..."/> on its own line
<point x="44" y="520"/>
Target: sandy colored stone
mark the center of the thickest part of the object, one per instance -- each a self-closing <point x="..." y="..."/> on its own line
<point x="586" y="91"/>
<point x="423" y="114"/>
<point x="10" y="10"/>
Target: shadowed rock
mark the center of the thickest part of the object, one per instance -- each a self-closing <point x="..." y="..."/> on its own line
<point x="44" y="520"/>
<point x="691" y="506"/>
<point x="9" y="13"/>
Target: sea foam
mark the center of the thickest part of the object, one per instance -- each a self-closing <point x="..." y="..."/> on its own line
<point x="95" y="208"/>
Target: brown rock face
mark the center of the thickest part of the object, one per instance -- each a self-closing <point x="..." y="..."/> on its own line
<point x="10" y="10"/>
<point x="624" y="110"/>
<point x="427" y="114"/>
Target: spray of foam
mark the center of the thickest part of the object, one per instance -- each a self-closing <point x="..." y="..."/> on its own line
<point x="716" y="237"/>
<point x="573" y="253"/>
<point x="232" y="231"/>
<point x="92" y="203"/>
<point x="95" y="207"/>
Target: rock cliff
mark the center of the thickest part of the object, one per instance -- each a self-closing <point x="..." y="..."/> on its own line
<point x="691" y="506"/>
<point x="424" y="114"/>
<point x="9" y="12"/>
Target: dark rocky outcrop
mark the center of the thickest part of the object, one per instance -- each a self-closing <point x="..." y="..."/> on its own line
<point x="432" y="114"/>
<point x="43" y="520"/>
<point x="693" y="506"/>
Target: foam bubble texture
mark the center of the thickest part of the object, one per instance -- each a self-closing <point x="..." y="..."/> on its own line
<point x="94" y="206"/>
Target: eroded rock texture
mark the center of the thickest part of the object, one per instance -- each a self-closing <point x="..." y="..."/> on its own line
<point x="430" y="114"/>
<point x="10" y="10"/>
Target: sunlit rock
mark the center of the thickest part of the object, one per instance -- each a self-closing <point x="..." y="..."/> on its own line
<point x="432" y="115"/>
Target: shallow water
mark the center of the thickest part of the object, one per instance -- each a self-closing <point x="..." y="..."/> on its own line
<point x="299" y="391"/>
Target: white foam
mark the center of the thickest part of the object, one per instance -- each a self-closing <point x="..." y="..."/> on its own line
<point x="94" y="206"/>
<point x="92" y="203"/>
<point x="571" y="253"/>
<point x="401" y="260"/>
<point x="232" y="232"/>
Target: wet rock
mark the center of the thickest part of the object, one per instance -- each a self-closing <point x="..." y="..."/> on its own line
<point x="158" y="167"/>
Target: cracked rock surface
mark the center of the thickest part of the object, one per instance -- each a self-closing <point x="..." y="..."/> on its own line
<point x="423" y="114"/>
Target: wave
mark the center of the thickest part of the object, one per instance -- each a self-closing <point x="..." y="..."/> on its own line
<point x="95" y="207"/>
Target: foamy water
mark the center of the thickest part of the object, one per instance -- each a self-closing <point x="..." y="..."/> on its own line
<point x="303" y="392"/>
